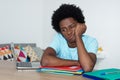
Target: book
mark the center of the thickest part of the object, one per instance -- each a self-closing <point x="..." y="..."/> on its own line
<point x="66" y="70"/>
<point x="104" y="74"/>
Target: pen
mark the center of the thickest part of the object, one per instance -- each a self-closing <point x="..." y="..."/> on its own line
<point x="114" y="72"/>
<point x="117" y="79"/>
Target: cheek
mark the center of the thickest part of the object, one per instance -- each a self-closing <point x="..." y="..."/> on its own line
<point x="73" y="32"/>
<point x="63" y="34"/>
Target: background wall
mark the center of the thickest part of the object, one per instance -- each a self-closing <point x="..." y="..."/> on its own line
<point x="30" y="21"/>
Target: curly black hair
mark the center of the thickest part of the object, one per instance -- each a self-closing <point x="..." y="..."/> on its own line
<point x="66" y="11"/>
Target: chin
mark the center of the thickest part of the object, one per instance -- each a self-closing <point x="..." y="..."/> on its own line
<point x="71" y="41"/>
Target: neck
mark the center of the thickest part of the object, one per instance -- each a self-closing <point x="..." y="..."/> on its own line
<point x="72" y="44"/>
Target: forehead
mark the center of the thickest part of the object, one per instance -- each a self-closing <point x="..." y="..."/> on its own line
<point x="67" y="21"/>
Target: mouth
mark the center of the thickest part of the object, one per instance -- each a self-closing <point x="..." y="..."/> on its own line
<point x="71" y="38"/>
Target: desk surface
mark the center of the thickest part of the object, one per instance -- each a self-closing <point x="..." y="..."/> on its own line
<point x="8" y="72"/>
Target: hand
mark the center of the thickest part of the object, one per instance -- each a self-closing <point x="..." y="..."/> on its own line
<point x="80" y="29"/>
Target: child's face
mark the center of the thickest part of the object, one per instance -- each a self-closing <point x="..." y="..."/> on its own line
<point x="67" y="27"/>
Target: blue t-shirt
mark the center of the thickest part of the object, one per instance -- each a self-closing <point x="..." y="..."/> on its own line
<point x="59" y="44"/>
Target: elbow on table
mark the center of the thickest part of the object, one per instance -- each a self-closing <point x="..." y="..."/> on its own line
<point x="44" y="62"/>
<point x="88" y="69"/>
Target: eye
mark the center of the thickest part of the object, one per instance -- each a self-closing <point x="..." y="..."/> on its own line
<point x="63" y="30"/>
<point x="72" y="26"/>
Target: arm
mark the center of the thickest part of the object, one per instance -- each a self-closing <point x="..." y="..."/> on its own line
<point x="49" y="58"/>
<point x="86" y="60"/>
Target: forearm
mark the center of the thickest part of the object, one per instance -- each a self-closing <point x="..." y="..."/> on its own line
<point x="85" y="59"/>
<point x="50" y="60"/>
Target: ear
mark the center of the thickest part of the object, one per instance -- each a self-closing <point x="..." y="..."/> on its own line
<point x="85" y="27"/>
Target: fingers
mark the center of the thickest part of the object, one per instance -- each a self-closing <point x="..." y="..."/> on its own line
<point x="80" y="28"/>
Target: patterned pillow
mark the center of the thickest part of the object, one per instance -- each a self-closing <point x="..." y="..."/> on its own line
<point x="31" y="53"/>
<point x="20" y="54"/>
<point x="6" y="53"/>
<point x="39" y="52"/>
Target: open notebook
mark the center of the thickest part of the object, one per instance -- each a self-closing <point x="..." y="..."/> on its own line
<point x="23" y="62"/>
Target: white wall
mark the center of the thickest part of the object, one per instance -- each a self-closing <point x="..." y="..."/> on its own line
<point x="21" y="21"/>
<point x="30" y="21"/>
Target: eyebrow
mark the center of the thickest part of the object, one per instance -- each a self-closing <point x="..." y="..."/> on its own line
<point x="68" y="25"/>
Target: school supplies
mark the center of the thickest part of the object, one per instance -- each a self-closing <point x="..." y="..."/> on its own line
<point x="26" y="57"/>
<point x="104" y="74"/>
<point x="66" y="70"/>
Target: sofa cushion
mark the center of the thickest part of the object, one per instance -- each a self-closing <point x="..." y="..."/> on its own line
<point x="6" y="53"/>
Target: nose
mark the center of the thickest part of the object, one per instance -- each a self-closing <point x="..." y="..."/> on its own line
<point x="69" y="32"/>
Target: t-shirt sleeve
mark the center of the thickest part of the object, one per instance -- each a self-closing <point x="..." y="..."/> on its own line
<point x="55" y="43"/>
<point x="93" y="46"/>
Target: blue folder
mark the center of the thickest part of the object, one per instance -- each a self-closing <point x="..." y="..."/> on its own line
<point x="104" y="74"/>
